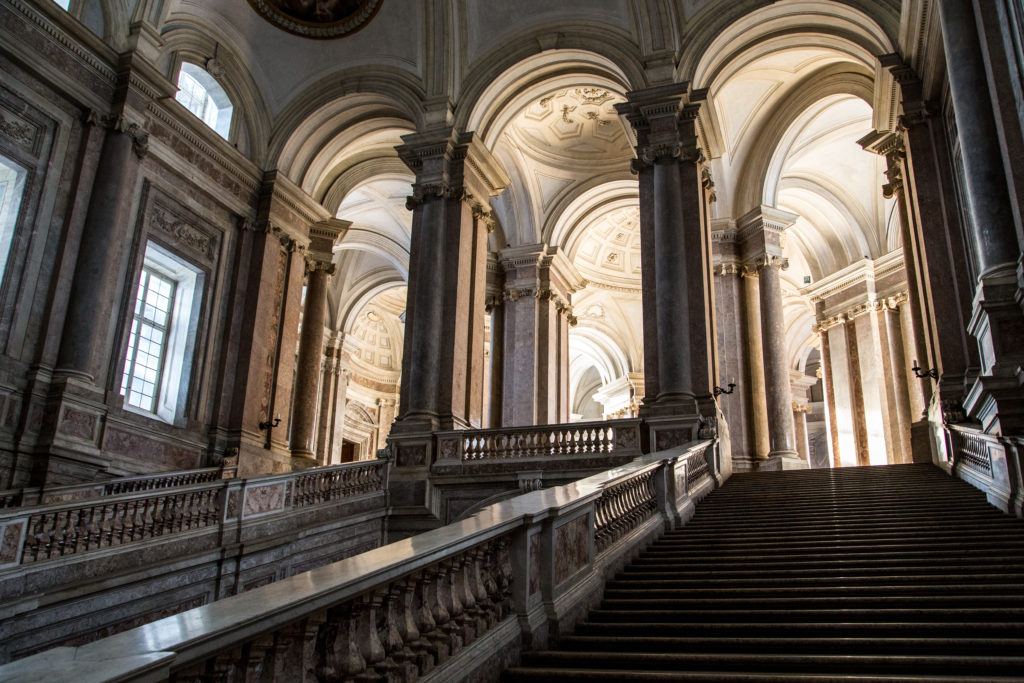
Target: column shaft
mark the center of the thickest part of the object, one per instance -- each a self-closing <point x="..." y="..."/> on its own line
<point x="995" y="238"/>
<point x="307" y="371"/>
<point x="776" y="371"/>
<point x="100" y="266"/>
<point x="755" y="368"/>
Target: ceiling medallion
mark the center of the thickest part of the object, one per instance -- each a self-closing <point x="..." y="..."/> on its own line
<point x="320" y="19"/>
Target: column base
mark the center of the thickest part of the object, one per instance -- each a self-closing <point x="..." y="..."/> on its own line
<point x="303" y="461"/>
<point x="669" y="405"/>
<point x="784" y="460"/>
<point x="921" y="442"/>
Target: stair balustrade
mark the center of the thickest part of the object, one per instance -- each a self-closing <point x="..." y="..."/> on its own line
<point x="990" y="462"/>
<point x="455" y="603"/>
<point x="35" y="495"/>
<point x="35" y="533"/>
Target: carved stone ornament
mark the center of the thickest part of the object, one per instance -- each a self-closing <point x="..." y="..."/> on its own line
<point x="187" y="235"/>
<point x="318" y="19"/>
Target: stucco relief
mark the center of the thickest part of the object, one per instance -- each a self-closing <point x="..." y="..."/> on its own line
<point x="79" y="424"/>
<point x="10" y="543"/>
<point x="260" y="499"/>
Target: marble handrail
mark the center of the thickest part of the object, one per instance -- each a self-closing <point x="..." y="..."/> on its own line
<point x="403" y="610"/>
<point x="590" y="438"/>
<point x="44" y="532"/>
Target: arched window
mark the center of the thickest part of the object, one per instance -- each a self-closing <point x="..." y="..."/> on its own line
<point x="204" y="97"/>
<point x="64" y="4"/>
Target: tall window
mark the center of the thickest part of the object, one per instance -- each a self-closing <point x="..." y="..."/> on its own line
<point x="158" y="359"/>
<point x="12" y="185"/>
<point x="200" y="93"/>
<point x="64" y="4"/>
<point x="147" y="343"/>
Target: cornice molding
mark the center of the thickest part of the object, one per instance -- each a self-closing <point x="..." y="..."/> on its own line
<point x="854" y="274"/>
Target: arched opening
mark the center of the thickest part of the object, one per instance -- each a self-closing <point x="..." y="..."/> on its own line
<point x="787" y="110"/>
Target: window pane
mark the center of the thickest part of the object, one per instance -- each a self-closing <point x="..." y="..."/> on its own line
<point x="147" y="340"/>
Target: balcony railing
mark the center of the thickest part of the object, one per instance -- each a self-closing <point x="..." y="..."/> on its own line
<point x="619" y="437"/>
<point x="443" y="602"/>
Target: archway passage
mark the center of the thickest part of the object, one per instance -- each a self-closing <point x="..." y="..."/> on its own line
<point x="811" y="290"/>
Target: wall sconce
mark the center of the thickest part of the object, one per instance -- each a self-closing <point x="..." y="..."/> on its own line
<point x="719" y="390"/>
<point x="921" y="374"/>
<point x="267" y="424"/>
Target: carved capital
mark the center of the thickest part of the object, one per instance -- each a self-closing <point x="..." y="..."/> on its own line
<point x="513" y="294"/>
<point x="139" y="136"/>
<point x="424" y="192"/>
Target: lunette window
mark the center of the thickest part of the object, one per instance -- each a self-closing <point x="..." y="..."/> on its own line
<point x="200" y="93"/>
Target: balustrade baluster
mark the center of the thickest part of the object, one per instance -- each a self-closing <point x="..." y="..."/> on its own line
<point x="463" y="620"/>
<point x="397" y="664"/>
<point x="295" y="655"/>
<point x="432" y="616"/>
<point x="338" y="653"/>
<point x="446" y="606"/>
<point x="367" y="635"/>
<point x="253" y="664"/>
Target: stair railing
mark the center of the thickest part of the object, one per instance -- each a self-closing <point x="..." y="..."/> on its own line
<point x="455" y="603"/>
<point x="35" y="495"/>
<point x="45" y="532"/>
<point x="990" y="462"/>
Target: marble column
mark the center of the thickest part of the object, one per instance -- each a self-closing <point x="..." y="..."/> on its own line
<point x="103" y="255"/>
<point x="732" y="327"/>
<point x="891" y="147"/>
<point x="997" y="321"/>
<point x="762" y="236"/>
<point x="675" y="251"/>
<point x="946" y="287"/>
<point x="494" y="306"/>
<point x="385" y="418"/>
<point x="803" y="447"/>
<point x="329" y="374"/>
<point x="781" y="431"/>
<point x="263" y="329"/>
<point x="307" y="366"/>
<point x="828" y="387"/>
<point x="755" y="363"/>
<point x="539" y="283"/>
<point x="442" y="366"/>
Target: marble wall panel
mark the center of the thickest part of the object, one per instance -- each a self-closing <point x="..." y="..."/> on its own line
<point x="572" y="540"/>
<point x="263" y="499"/>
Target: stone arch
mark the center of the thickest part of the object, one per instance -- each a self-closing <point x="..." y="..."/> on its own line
<point x="494" y="94"/>
<point x="334" y="104"/>
<point x="719" y="35"/>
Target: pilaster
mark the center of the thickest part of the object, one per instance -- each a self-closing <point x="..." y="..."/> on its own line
<point x="539" y="283"/>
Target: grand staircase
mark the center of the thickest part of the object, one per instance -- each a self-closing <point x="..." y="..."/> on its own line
<point x="870" y="573"/>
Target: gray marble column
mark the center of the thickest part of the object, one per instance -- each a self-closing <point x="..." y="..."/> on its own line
<point x="442" y="364"/>
<point x="675" y="252"/>
<point x="102" y="256"/>
<point x="307" y="370"/>
<point x="539" y="283"/>
<point x="995" y="238"/>
<point x="997" y="321"/>
<point x="778" y="396"/>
